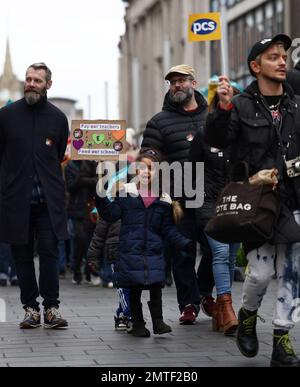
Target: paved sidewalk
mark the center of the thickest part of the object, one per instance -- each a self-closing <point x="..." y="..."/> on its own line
<point x="91" y="340"/>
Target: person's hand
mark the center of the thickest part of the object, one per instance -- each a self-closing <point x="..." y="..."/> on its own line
<point x="225" y="92"/>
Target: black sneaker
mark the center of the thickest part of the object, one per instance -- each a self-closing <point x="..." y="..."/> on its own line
<point x="53" y="319"/>
<point x="31" y="320"/>
<point x="77" y="278"/>
<point x="14" y="282"/>
<point x="283" y="353"/>
<point x="121" y="323"/>
<point x="3" y="282"/>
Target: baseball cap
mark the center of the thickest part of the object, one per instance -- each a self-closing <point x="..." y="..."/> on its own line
<point x="263" y="44"/>
<point x="181" y="69"/>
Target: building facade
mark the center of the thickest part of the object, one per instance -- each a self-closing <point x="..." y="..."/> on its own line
<point x="11" y="89"/>
<point x="68" y="106"/>
<point x="156" y="38"/>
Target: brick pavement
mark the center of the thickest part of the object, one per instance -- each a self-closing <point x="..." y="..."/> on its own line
<point x="91" y="340"/>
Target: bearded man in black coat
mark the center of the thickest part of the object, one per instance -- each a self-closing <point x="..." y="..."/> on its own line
<point x="34" y="136"/>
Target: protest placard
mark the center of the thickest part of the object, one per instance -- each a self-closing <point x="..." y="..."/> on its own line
<point x="98" y="139"/>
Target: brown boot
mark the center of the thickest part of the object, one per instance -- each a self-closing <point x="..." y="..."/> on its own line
<point x="230" y="322"/>
<point x="217" y="317"/>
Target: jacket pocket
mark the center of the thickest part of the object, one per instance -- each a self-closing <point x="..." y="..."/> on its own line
<point x="256" y="130"/>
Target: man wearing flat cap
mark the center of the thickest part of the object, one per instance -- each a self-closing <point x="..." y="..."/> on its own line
<point x="171" y="131"/>
<point x="263" y="127"/>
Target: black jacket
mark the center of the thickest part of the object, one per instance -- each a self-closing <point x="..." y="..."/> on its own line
<point x="33" y="140"/>
<point x="105" y="242"/>
<point x="293" y="78"/>
<point x="172" y="130"/>
<point x="81" y="180"/>
<point x="248" y="129"/>
<point x="216" y="174"/>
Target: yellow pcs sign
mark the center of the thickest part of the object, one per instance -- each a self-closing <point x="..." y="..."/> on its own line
<point x="205" y="26"/>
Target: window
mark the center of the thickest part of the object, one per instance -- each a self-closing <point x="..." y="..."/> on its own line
<point x="261" y="22"/>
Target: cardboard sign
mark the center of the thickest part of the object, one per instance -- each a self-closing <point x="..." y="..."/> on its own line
<point x="205" y="26"/>
<point x="98" y="139"/>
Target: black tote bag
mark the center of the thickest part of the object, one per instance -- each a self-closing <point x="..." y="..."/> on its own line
<point x="245" y="213"/>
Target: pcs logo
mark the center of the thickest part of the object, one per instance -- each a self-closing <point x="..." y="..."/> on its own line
<point x="204" y="26"/>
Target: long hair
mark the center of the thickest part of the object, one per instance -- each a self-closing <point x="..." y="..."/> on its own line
<point x="177" y="211"/>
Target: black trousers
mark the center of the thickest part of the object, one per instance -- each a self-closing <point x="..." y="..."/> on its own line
<point x="40" y="227"/>
<point x="186" y="280"/>
<point x="83" y="233"/>
<point x="136" y="293"/>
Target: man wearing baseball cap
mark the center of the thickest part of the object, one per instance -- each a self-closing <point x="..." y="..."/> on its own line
<point x="172" y="131"/>
<point x="254" y="123"/>
<point x="182" y="69"/>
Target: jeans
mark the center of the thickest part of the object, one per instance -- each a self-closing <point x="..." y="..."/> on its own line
<point x="7" y="265"/>
<point x="261" y="268"/>
<point x="47" y="247"/>
<point x="224" y="256"/>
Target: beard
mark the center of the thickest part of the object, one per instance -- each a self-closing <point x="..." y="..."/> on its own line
<point x="181" y="97"/>
<point x="32" y="97"/>
<point x="274" y="78"/>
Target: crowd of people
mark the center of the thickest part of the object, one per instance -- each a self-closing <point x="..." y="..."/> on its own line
<point x="131" y="234"/>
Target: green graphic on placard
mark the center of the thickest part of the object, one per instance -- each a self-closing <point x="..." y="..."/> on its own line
<point x="98" y="138"/>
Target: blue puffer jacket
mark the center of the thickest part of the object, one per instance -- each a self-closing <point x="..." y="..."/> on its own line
<point x="143" y="231"/>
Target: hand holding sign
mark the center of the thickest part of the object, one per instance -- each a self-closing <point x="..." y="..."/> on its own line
<point x="225" y="92"/>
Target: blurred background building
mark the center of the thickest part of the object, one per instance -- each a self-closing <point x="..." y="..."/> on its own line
<point x="68" y="106"/>
<point x="156" y="38"/>
<point x="11" y="88"/>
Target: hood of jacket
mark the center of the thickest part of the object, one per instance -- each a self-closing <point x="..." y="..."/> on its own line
<point x="173" y="107"/>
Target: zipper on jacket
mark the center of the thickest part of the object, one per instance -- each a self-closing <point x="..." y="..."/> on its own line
<point x="278" y="129"/>
<point x="146" y="271"/>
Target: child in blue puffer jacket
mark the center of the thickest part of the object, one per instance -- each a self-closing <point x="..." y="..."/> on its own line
<point x="147" y="221"/>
